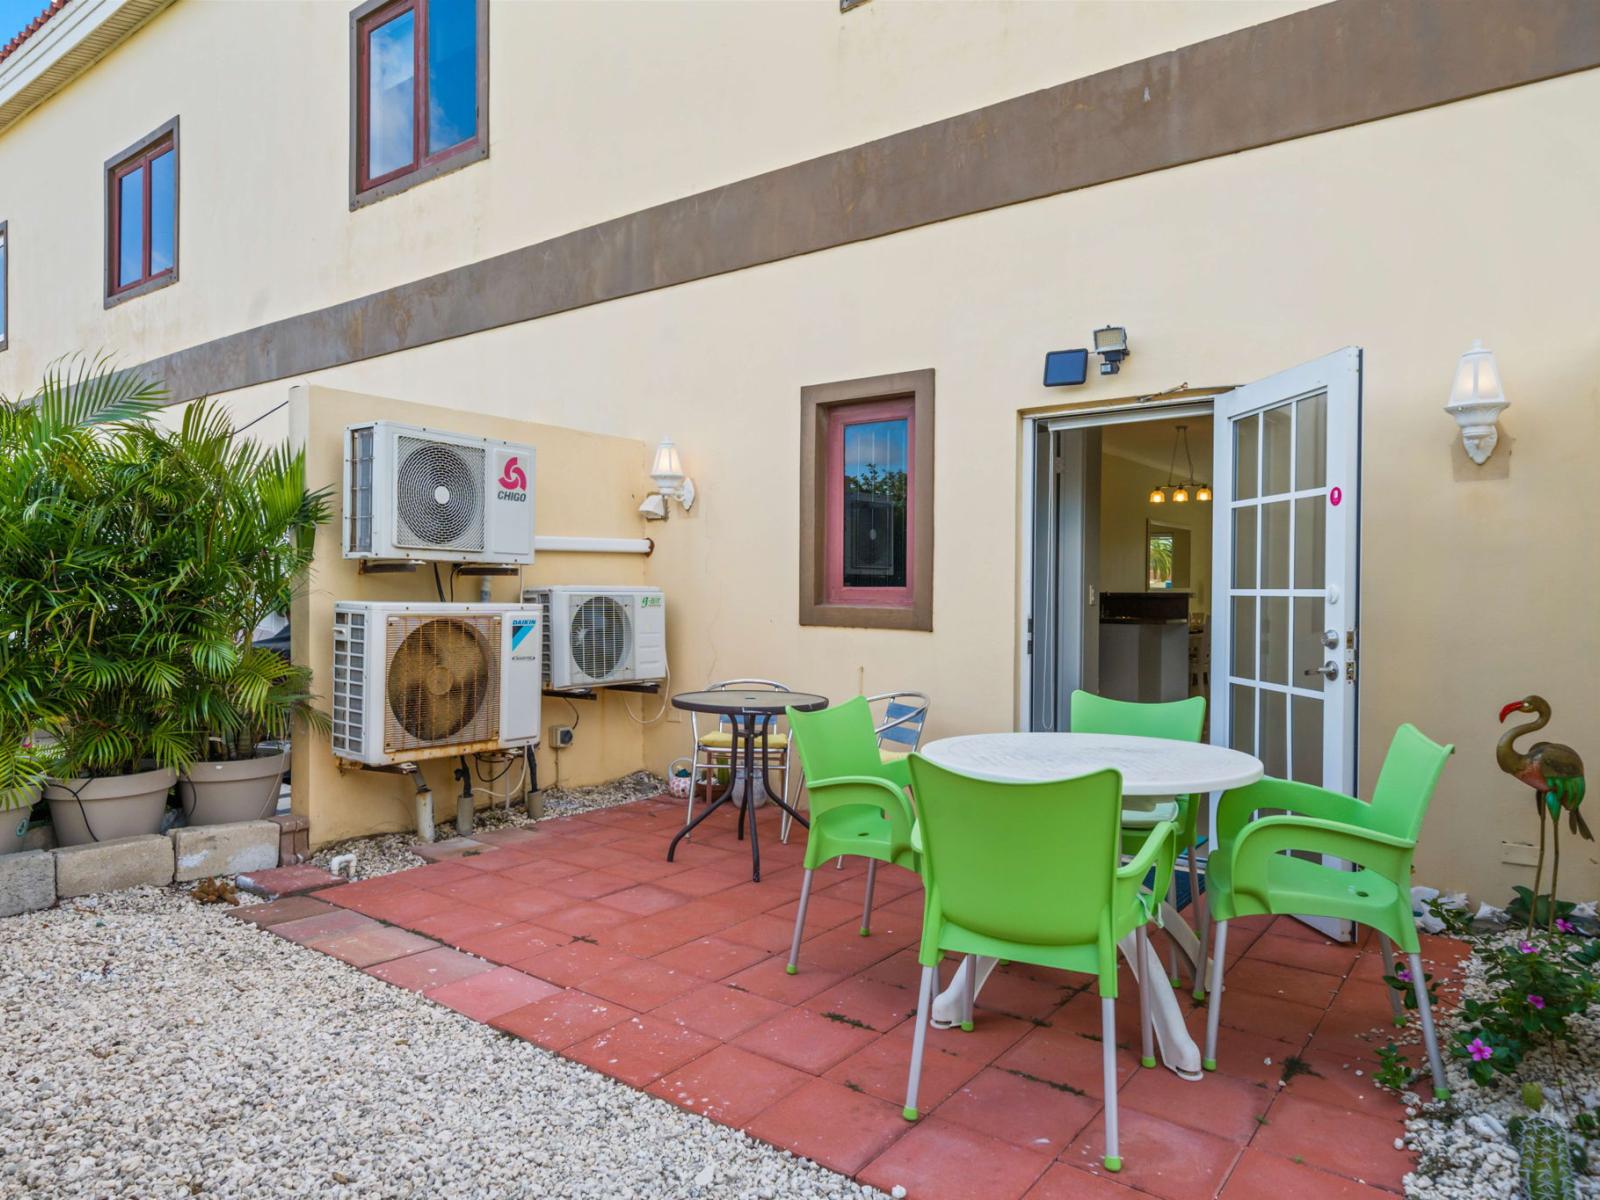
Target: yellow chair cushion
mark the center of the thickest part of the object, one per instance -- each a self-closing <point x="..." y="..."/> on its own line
<point x="722" y="739"/>
<point x="890" y="756"/>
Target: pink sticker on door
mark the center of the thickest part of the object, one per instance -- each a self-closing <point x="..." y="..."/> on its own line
<point x="1335" y="496"/>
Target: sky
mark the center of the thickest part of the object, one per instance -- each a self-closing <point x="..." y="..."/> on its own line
<point x="14" y="14"/>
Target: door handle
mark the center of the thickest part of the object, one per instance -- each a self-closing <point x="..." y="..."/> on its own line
<point x="1328" y="670"/>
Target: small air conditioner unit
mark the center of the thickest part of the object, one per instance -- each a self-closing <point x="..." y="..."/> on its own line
<point x="597" y="636"/>
<point x="412" y="493"/>
<point x="415" y="681"/>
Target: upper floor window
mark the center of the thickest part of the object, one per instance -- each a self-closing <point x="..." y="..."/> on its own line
<point x="421" y="88"/>
<point x="5" y="285"/>
<point x="142" y="216"/>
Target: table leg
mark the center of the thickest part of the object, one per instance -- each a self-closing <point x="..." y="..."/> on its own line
<point x="766" y="783"/>
<point x="750" y="790"/>
<point x="726" y="796"/>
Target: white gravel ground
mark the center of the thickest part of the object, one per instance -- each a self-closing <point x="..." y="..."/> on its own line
<point x="156" y="1048"/>
<point x="1465" y="1147"/>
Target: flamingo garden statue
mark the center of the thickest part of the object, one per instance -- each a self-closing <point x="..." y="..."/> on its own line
<point x="1555" y="773"/>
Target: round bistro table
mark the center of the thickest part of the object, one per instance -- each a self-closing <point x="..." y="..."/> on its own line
<point x="751" y="712"/>
<point x="1152" y="770"/>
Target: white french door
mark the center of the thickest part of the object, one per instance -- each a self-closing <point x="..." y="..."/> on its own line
<point x="1285" y="629"/>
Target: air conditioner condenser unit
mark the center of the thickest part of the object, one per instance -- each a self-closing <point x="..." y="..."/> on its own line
<point x="417" y="494"/>
<point x="416" y="681"/>
<point x="596" y="636"/>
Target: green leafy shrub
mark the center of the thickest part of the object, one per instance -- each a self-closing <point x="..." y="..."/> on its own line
<point x="1539" y="986"/>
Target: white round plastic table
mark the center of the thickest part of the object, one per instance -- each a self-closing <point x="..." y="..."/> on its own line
<point x="1152" y="770"/>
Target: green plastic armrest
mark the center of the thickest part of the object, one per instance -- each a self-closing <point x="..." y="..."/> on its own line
<point x="1379" y="852"/>
<point x="1161" y="850"/>
<point x="1236" y="808"/>
<point x="898" y="771"/>
<point x="844" y="790"/>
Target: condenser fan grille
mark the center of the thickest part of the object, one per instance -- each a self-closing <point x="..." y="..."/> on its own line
<point x="443" y="681"/>
<point x="601" y="636"/>
<point x="439" y="494"/>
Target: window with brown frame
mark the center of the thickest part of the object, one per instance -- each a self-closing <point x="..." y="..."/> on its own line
<point x="142" y="216"/>
<point x="419" y="92"/>
<point x="866" y="502"/>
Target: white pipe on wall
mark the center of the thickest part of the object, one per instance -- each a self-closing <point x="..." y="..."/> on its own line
<point x="593" y="545"/>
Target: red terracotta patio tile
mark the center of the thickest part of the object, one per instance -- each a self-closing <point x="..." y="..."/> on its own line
<point x="642" y="984"/>
<point x="711" y="957"/>
<point x="308" y="930"/>
<point x="729" y="1085"/>
<point x="572" y="964"/>
<point x="1246" y="1056"/>
<point x="1266" y="978"/>
<point x="879" y="1005"/>
<point x="526" y="903"/>
<point x="770" y="979"/>
<point x="643" y="899"/>
<point x="541" y="871"/>
<point x="1059" y="1055"/>
<point x="822" y="912"/>
<point x="882" y="1068"/>
<point x="490" y="994"/>
<point x="719" y="1011"/>
<point x="645" y="937"/>
<point x="589" y="885"/>
<point x="476" y="888"/>
<point x="831" y="1124"/>
<point x="435" y="874"/>
<point x="1268" y="1016"/>
<point x="287" y="881"/>
<point x="584" y="918"/>
<point x="1016" y="995"/>
<point x="1062" y="1182"/>
<point x="1356" y="1145"/>
<point x="1217" y="1104"/>
<point x="1262" y="1176"/>
<point x="806" y="1040"/>
<point x="1333" y="1079"/>
<point x="559" y="1021"/>
<point x="511" y="835"/>
<point x="380" y="944"/>
<point x="462" y="921"/>
<point x="765" y="932"/>
<point x="513" y="943"/>
<point x="941" y="1158"/>
<point x="428" y="970"/>
<point x="446" y="850"/>
<point x="1158" y="1157"/>
<point x="276" y="912"/>
<point x="1027" y="1113"/>
<point x="639" y="1050"/>
<point x="1322" y="955"/>
<point x="406" y="907"/>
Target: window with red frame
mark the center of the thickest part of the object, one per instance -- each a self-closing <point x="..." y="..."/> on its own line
<point x="419" y="89"/>
<point x="870" y="482"/>
<point x="142" y="195"/>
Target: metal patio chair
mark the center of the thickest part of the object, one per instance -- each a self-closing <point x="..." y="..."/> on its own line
<point x="713" y="747"/>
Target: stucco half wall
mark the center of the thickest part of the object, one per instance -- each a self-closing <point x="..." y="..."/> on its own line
<point x="587" y="484"/>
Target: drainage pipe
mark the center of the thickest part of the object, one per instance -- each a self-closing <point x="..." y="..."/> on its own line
<point x="593" y="545"/>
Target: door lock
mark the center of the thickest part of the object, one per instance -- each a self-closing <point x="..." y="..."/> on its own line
<point x="1328" y="670"/>
<point x="1330" y="638"/>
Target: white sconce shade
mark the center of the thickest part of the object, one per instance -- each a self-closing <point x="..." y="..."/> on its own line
<point x="1476" y="402"/>
<point x="667" y="468"/>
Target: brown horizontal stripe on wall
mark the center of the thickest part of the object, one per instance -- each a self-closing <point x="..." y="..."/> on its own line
<point x="1326" y="68"/>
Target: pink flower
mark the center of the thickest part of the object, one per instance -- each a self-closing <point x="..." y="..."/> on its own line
<point x="1479" y="1050"/>
<point x="1536" y="1001"/>
<point x="1403" y="974"/>
<point x="1527" y="948"/>
<point x="1565" y="925"/>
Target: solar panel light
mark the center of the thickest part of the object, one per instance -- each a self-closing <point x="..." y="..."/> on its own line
<point x="1111" y="344"/>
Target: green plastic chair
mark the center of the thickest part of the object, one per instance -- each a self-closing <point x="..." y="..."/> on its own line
<point x="858" y="801"/>
<point x="1028" y="872"/>
<point x="1249" y="875"/>
<point x="1180" y="721"/>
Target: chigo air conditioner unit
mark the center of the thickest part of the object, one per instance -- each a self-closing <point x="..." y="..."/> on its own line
<point x="415" y="681"/>
<point x="596" y="636"/>
<point x="412" y="493"/>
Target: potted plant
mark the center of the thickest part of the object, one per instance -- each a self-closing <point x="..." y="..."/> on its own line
<point x="98" y="618"/>
<point x="254" y="545"/>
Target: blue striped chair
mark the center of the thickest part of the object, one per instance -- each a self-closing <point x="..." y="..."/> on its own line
<point x="713" y="748"/>
<point x="898" y="724"/>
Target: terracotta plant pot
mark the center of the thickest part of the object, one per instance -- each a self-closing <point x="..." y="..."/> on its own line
<point x="113" y="805"/>
<point x="219" y="793"/>
<point x="14" y="819"/>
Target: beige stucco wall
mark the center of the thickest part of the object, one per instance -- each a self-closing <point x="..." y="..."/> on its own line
<point x="585" y="484"/>
<point x="1407" y="237"/>
<point x="596" y="110"/>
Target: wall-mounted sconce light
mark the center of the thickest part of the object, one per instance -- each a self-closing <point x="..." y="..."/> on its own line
<point x="671" y="483"/>
<point x="1476" y="402"/>
<point x="1111" y="344"/>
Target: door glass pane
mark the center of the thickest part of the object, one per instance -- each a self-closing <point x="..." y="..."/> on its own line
<point x="1311" y="442"/>
<point x="1246" y="435"/>
<point x="1242" y="717"/>
<point x="1244" y="547"/>
<point x="1277" y="451"/>
<point x="1310" y="541"/>
<point x="1274" y="748"/>
<point x="391" y="94"/>
<point x="1244" y="637"/>
<point x="1275" y="544"/>
<point x="1275" y="639"/>
<point x="875" y="504"/>
<point x="130" y="228"/>
<point x="1305" y="758"/>
<point x="1308" y="648"/>
<point x="163" y="211"/>
<point x="452" y="73"/>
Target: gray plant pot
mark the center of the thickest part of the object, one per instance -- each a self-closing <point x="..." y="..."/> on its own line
<point x="114" y="806"/>
<point x="221" y="793"/>
<point x="14" y="819"/>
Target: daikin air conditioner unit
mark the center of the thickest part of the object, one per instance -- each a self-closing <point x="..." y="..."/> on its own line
<point x="415" y="681"/>
<point x="595" y="636"/>
<point x="412" y="493"/>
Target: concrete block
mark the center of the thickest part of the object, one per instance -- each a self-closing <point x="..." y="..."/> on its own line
<point x="145" y="860"/>
<point x="287" y="881"/>
<point x="201" y="851"/>
<point x="294" y="838"/>
<point x="27" y="882"/>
